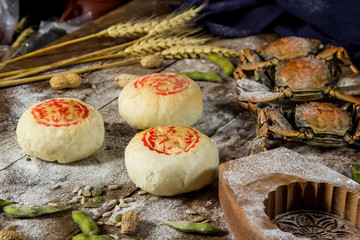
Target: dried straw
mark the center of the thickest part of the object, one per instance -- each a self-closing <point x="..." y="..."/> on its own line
<point x="149" y="43"/>
<point x="129" y="29"/>
<point x="9" y="83"/>
<point x="149" y="27"/>
<point x="31" y="71"/>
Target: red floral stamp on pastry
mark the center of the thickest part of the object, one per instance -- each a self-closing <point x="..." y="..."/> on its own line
<point x="60" y="112"/>
<point x="163" y="84"/>
<point x="170" y="139"/>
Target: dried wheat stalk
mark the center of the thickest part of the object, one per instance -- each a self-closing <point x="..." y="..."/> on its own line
<point x="176" y="52"/>
<point x="144" y="47"/>
<point x="131" y="29"/>
<point x="6" y="76"/>
<point x="150" y="46"/>
<point x="48" y="76"/>
<point x="152" y="28"/>
<point x="198" y="51"/>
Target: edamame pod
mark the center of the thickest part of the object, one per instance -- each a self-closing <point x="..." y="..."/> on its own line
<point x="97" y="192"/>
<point x="225" y="64"/>
<point x="191" y="227"/>
<point x="212" y="77"/>
<point x="31" y="211"/>
<point x="118" y="218"/>
<point x="83" y="236"/>
<point x="3" y="203"/>
<point x="87" y="225"/>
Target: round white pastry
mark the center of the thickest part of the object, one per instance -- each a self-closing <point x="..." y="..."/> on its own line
<point x="170" y="160"/>
<point x="61" y="129"/>
<point x="160" y="99"/>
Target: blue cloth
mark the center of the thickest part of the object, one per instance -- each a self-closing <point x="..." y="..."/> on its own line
<point x="335" y="22"/>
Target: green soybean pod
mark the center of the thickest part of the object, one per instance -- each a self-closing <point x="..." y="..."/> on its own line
<point x="32" y="211"/>
<point x="91" y="204"/>
<point x="87" y="225"/>
<point x="3" y="203"/>
<point x="225" y="64"/>
<point x="97" y="192"/>
<point x="83" y="236"/>
<point x="118" y="218"/>
<point x="212" y="77"/>
<point x="355" y="171"/>
<point x="191" y="227"/>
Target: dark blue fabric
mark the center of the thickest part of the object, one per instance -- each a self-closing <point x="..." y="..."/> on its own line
<point x="334" y="22"/>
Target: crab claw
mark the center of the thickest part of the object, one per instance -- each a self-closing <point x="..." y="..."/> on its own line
<point x="250" y="85"/>
<point x="258" y="145"/>
<point x="340" y="53"/>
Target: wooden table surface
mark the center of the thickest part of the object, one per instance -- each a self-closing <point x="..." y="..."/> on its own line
<point x="29" y="180"/>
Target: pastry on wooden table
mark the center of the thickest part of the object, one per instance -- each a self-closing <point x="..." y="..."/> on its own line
<point x="61" y="129"/>
<point x="161" y="99"/>
<point x="170" y="160"/>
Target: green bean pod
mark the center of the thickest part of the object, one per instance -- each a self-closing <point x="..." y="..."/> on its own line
<point x="225" y="64"/>
<point x="91" y="204"/>
<point x="355" y="171"/>
<point x="83" y="236"/>
<point x="118" y="218"/>
<point x="3" y="203"/>
<point x="87" y="225"/>
<point x="212" y="77"/>
<point x="97" y="192"/>
<point x="32" y="211"/>
<point x="191" y="227"/>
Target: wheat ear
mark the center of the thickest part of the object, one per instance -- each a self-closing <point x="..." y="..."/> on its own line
<point x="151" y="46"/>
<point x="132" y="29"/>
<point x="199" y="51"/>
<point x="176" y="21"/>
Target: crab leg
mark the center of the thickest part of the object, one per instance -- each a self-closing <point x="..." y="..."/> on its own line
<point x="248" y="55"/>
<point x="340" y="53"/>
<point x="356" y="136"/>
<point x="248" y="70"/>
<point x="258" y="144"/>
<point x="341" y="95"/>
<point x="264" y="117"/>
<point x="251" y="91"/>
<point x="250" y="85"/>
<point x="256" y="97"/>
<point x="350" y="90"/>
<point x="288" y="133"/>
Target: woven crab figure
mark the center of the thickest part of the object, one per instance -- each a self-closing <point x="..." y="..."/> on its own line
<point x="287" y="48"/>
<point x="314" y="123"/>
<point x="296" y="79"/>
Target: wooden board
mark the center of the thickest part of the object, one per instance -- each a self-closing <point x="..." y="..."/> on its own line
<point x="245" y="190"/>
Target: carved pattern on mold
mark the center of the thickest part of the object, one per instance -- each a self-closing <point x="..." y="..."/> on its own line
<point x="316" y="225"/>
